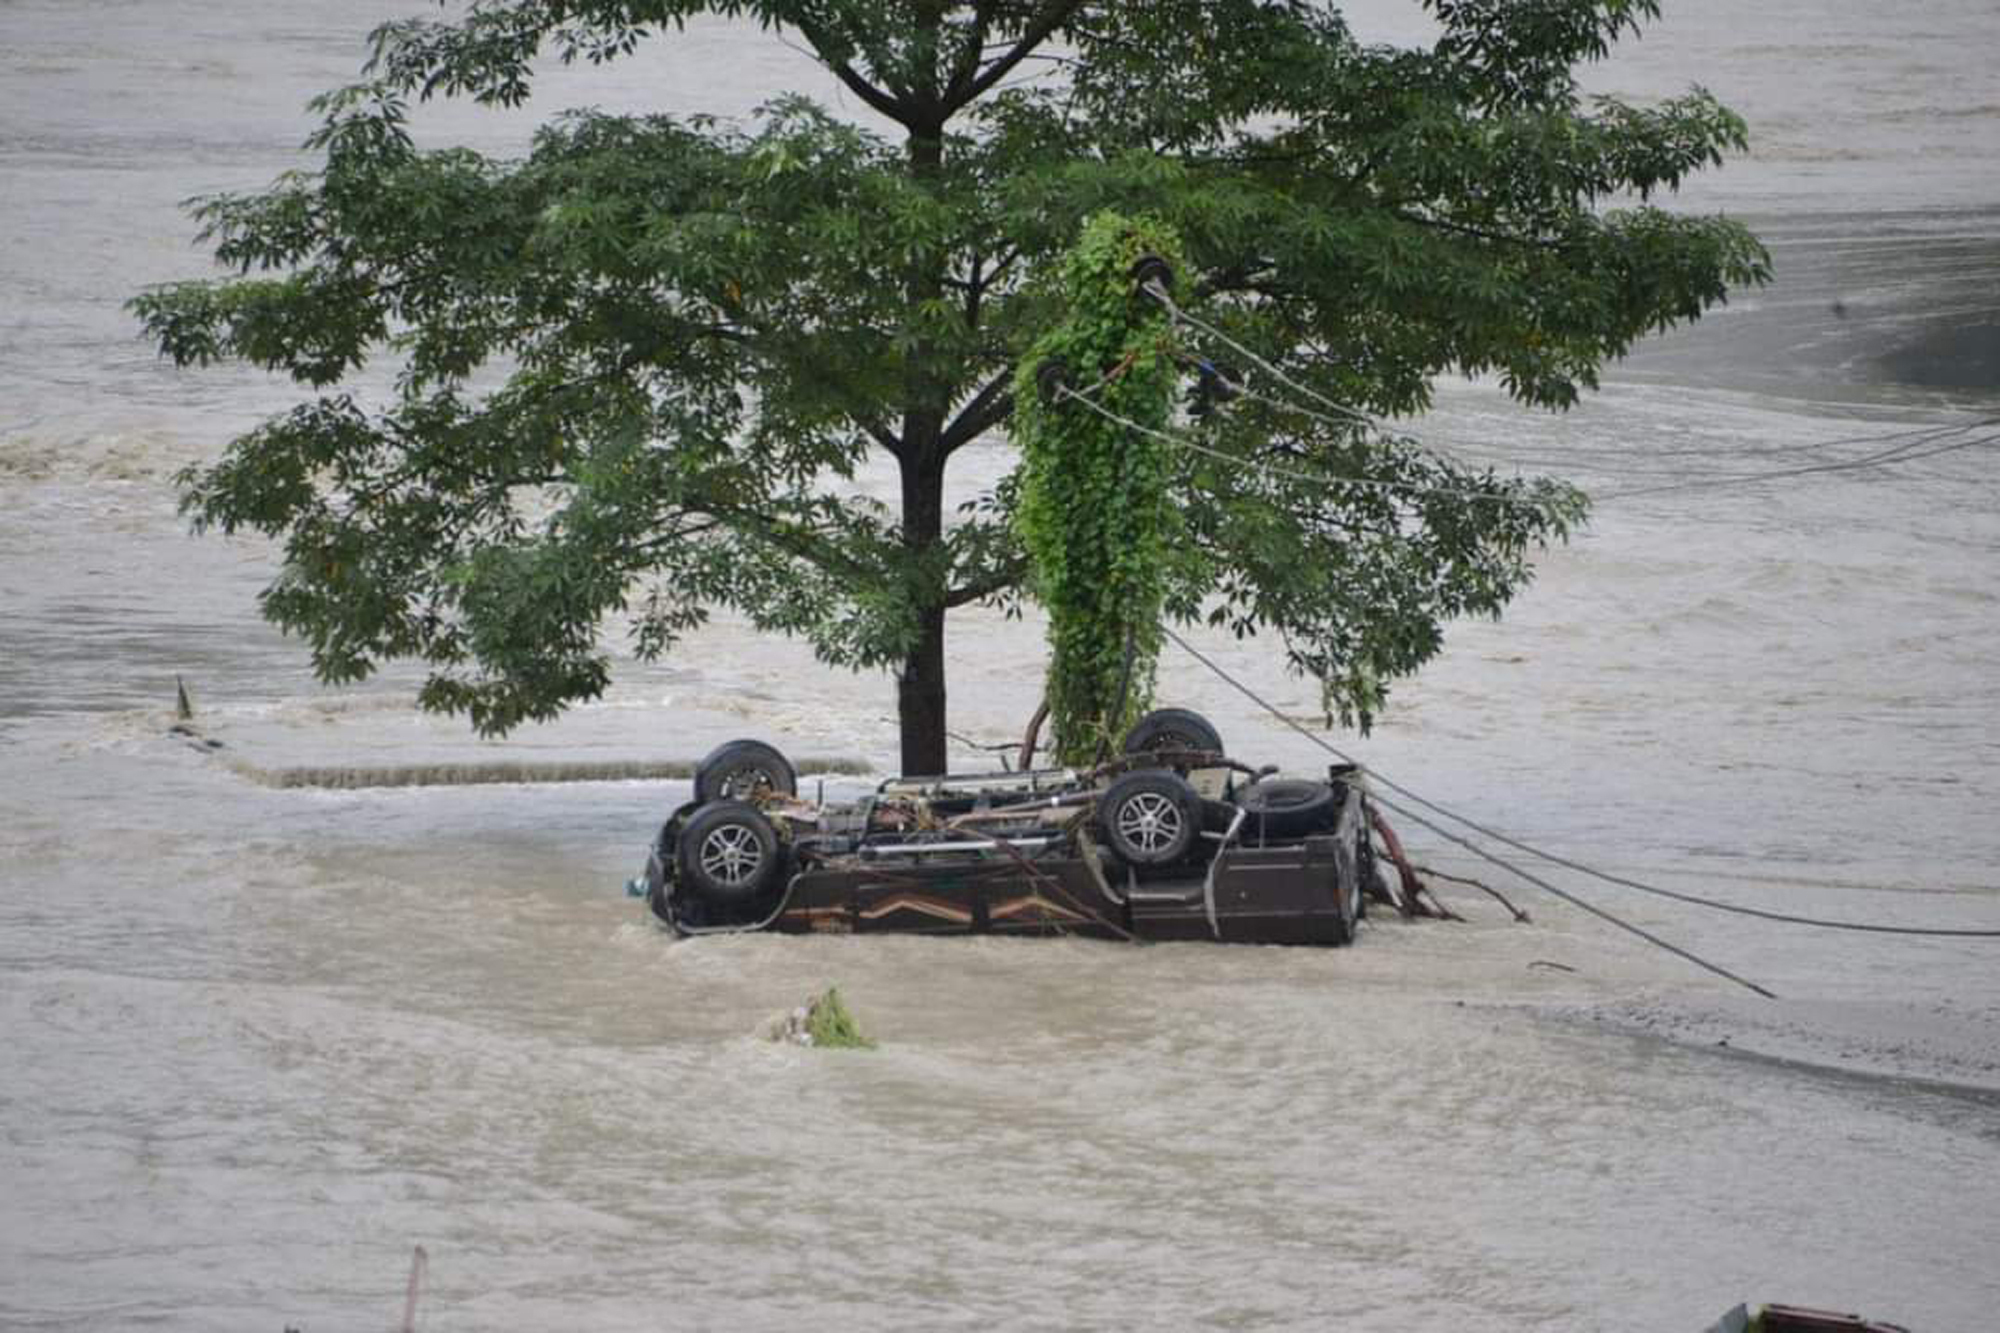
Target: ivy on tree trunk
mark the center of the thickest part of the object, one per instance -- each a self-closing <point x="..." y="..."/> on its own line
<point x="1095" y="513"/>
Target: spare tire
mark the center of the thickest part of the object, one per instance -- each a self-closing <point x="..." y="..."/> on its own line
<point x="1288" y="808"/>
<point x="1173" y="729"/>
<point x="743" y="770"/>
<point x="727" y="855"/>
<point x="1151" y="818"/>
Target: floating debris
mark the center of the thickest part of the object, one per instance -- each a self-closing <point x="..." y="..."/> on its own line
<point x="824" y="1022"/>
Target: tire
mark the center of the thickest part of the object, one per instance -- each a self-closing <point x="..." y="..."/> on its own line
<point x="1289" y="807"/>
<point x="727" y="855"/>
<point x="1350" y="911"/>
<point x="1366" y="872"/>
<point x="1150" y="818"/>
<point x="743" y="770"/>
<point x="1172" y="729"/>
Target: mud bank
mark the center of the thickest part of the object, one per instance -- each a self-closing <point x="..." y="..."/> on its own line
<point x="1942" y="1043"/>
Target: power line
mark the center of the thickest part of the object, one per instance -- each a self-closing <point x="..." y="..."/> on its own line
<point x="1563" y="861"/>
<point x="1154" y="289"/>
<point x="1237" y="389"/>
<point x="1575" y="901"/>
<point x="1911" y="446"/>
<point x="1908" y="452"/>
<point x="1911" y="450"/>
<point x="1348" y="417"/>
<point x="1498" y="452"/>
<point x="1467" y="843"/>
<point x="1813" y="446"/>
<point x="1594" y="459"/>
<point x="1315" y="478"/>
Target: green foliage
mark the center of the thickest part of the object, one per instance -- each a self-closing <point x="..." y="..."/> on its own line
<point x="831" y="1026"/>
<point x="637" y="368"/>
<point x="1094" y="513"/>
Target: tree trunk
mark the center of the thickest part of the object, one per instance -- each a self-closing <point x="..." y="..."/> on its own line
<point x="920" y="698"/>
<point x="920" y="695"/>
<point x="920" y="682"/>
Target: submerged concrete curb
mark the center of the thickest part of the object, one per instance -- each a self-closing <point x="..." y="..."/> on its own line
<point x="350" y="777"/>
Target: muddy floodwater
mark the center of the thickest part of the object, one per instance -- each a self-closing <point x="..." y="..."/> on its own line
<point x="266" y="1030"/>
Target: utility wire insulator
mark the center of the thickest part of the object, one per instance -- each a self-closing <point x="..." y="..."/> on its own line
<point x="1051" y="378"/>
<point x="1149" y="269"/>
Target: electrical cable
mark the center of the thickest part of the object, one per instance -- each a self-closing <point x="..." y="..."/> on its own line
<point x="1594" y="460"/>
<point x="1575" y="901"/>
<point x="1903" y="453"/>
<point x="1238" y="389"/>
<point x="1349" y="417"/>
<point x="1579" y="867"/>
<point x="1813" y="446"/>
<point x="1914" y="445"/>
<point x="1314" y="478"/>
<point x="1473" y="847"/>
<point x="1180" y="316"/>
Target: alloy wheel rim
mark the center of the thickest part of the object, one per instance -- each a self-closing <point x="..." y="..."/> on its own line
<point x="1149" y="821"/>
<point x="731" y="854"/>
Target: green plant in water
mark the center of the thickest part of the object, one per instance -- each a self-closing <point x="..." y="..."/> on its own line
<point x="829" y="1024"/>
<point x="1094" y="514"/>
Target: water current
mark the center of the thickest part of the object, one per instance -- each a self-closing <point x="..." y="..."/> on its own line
<point x="262" y="1040"/>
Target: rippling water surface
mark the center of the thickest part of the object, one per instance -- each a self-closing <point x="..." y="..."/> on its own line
<point x="260" y="1041"/>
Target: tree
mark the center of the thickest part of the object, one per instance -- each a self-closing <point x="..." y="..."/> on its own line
<point x="703" y="331"/>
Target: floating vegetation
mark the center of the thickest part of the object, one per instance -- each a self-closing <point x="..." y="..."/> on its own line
<point x="824" y="1022"/>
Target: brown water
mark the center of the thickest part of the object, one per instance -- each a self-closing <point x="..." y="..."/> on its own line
<point x="262" y="1041"/>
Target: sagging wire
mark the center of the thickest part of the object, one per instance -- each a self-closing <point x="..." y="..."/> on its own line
<point x="1622" y="881"/>
<point x="1914" y="445"/>
<point x="1348" y="417"/>
<point x="1180" y="441"/>
<point x="1470" y="846"/>
<point x="1589" y="457"/>
<point x="1916" y="434"/>
<point x="1352" y="416"/>
<point x="1908" y="452"/>
<point x="1338" y="415"/>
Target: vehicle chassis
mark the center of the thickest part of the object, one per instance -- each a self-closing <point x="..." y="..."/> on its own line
<point x="1035" y="854"/>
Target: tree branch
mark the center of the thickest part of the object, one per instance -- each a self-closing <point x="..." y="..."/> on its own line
<point x="820" y="40"/>
<point x="1053" y="16"/>
<point x="1476" y="233"/>
<point x="1007" y="576"/>
<point x="988" y="408"/>
<point x="883" y="436"/>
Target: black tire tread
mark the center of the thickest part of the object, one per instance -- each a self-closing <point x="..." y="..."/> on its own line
<point x="734" y="757"/>
<point x="1168" y="728"/>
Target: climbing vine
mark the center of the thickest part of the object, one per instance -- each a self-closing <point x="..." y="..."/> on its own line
<point x="1093" y="513"/>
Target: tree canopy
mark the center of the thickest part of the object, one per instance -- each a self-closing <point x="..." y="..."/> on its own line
<point x="636" y="367"/>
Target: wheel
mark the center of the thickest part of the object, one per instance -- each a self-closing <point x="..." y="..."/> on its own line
<point x="741" y="770"/>
<point x="727" y="855"/>
<point x="1353" y="864"/>
<point x="1151" y="818"/>
<point x="1172" y="729"/>
<point x="1289" y="807"/>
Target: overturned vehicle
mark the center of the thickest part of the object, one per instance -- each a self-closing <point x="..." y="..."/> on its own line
<point x="1170" y="840"/>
